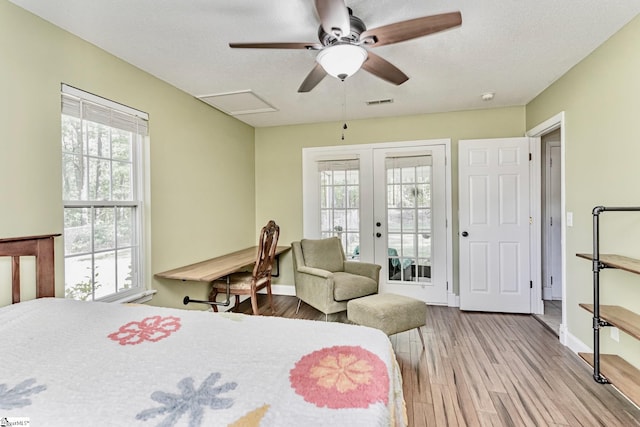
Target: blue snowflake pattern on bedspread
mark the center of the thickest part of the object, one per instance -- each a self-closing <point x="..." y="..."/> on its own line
<point x="191" y="401"/>
<point x="17" y="397"/>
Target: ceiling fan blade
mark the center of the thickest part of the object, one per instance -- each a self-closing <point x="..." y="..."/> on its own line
<point x="313" y="78"/>
<point x="411" y="29"/>
<point x="384" y="69"/>
<point x="309" y="46"/>
<point x="334" y="17"/>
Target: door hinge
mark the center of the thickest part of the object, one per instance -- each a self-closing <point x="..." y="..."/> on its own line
<point x="530" y="156"/>
<point x="551" y="221"/>
<point x="551" y="280"/>
<point x="447" y="285"/>
<point x="530" y="284"/>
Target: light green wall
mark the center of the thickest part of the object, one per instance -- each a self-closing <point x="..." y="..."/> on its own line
<point x="602" y="109"/>
<point x="279" y="158"/>
<point x="202" y="161"/>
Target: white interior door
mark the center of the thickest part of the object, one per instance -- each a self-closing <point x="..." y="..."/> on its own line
<point x="494" y="225"/>
<point x="410" y="221"/>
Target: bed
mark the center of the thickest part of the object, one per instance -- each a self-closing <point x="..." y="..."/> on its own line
<point x="76" y="363"/>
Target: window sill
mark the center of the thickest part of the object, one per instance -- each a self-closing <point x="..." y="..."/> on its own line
<point x="136" y="298"/>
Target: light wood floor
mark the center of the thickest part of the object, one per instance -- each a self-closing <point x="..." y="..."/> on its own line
<point x="482" y="369"/>
<point x="552" y="316"/>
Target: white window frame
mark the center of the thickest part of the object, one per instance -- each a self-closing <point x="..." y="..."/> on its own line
<point x="139" y="289"/>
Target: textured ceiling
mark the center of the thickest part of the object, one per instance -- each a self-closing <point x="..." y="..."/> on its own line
<point x="514" y="48"/>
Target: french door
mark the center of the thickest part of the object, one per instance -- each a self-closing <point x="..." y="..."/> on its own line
<point x="410" y="221"/>
<point x="389" y="204"/>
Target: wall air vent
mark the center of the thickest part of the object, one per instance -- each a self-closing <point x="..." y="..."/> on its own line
<point x="380" y="101"/>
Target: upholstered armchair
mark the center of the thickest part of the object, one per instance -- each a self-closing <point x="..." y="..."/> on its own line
<point x="325" y="280"/>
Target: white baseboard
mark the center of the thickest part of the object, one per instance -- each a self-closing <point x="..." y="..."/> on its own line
<point x="572" y="342"/>
<point x="288" y="290"/>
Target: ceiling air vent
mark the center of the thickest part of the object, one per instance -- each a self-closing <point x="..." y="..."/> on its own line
<point x="238" y="103"/>
<point x="380" y="101"/>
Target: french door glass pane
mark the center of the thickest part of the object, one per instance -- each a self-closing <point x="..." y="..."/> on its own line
<point x="409" y="217"/>
<point x="340" y="203"/>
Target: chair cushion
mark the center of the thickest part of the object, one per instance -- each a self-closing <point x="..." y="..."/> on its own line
<point x="238" y="281"/>
<point x="348" y="286"/>
<point x="325" y="254"/>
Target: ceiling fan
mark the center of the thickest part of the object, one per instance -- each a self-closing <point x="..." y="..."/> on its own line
<point x="343" y="37"/>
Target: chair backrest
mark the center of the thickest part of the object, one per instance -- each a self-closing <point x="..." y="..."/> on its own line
<point x="326" y="254"/>
<point x="266" y="250"/>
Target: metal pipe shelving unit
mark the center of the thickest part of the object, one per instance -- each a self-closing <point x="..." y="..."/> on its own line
<point x="598" y="265"/>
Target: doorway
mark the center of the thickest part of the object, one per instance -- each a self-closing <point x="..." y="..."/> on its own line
<point x="549" y="232"/>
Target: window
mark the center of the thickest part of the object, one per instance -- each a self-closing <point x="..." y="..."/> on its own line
<point x="102" y="193"/>
<point x="340" y="203"/>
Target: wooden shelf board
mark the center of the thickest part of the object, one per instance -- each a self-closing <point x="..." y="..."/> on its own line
<point x="620" y="317"/>
<point x="620" y="373"/>
<point x="616" y="261"/>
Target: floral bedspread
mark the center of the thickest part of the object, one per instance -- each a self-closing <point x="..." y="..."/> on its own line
<point x="76" y="363"/>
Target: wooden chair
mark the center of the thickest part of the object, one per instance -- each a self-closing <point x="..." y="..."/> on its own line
<point x="249" y="283"/>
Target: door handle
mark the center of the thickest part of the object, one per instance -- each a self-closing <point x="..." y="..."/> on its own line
<point x="465" y="234"/>
<point x="378" y="234"/>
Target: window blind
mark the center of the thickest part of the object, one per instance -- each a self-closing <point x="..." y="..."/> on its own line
<point x="338" y="165"/>
<point x="76" y="103"/>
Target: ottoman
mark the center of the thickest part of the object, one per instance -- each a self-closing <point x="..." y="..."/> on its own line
<point x="390" y="313"/>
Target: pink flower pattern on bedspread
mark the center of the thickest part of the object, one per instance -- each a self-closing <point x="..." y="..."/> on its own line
<point x="341" y="377"/>
<point x="152" y="329"/>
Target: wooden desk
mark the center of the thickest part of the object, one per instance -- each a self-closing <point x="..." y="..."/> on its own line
<point x="216" y="268"/>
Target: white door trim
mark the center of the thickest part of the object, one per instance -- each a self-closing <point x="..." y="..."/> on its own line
<point x="310" y="220"/>
<point x="549" y="125"/>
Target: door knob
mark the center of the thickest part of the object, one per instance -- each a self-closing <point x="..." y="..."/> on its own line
<point x="465" y="234"/>
<point x="378" y="235"/>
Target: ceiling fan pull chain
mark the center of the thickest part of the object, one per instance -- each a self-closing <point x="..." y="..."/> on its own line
<point x="344" y="107"/>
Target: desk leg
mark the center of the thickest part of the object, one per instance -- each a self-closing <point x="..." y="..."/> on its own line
<point x="277" y="269"/>
<point x="212" y="297"/>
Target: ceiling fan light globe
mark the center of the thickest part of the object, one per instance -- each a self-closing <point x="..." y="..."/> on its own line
<point x="342" y="60"/>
